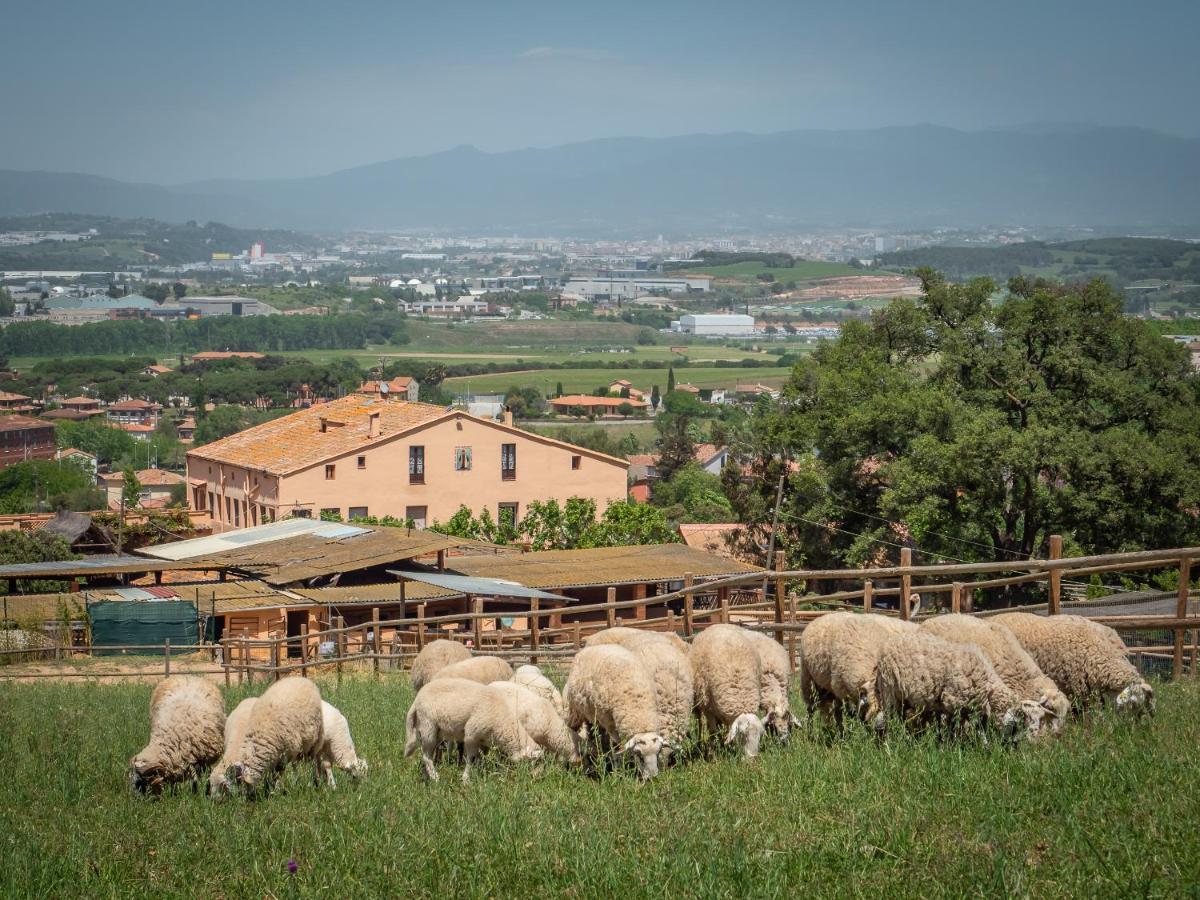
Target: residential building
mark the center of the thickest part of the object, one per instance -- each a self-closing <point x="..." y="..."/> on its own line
<point x="402" y="387"/>
<point x="156" y="487"/>
<point x="598" y="405"/>
<point x="625" y="388"/>
<point x="751" y="392"/>
<point x="65" y="414"/>
<point x="186" y="429"/>
<point x="15" y="403"/>
<point x="89" y="405"/>
<point x="81" y="458"/>
<point x="155" y="371"/>
<point x="715" y="325"/>
<point x="361" y="456"/>
<point x="134" y="412"/>
<point x="23" y="439"/>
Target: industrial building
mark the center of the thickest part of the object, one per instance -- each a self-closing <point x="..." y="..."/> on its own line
<point x="715" y="325"/>
<point x="621" y="287"/>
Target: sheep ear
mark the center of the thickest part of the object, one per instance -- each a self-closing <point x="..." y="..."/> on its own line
<point x="629" y="745"/>
<point x="796" y="723"/>
<point x="1047" y="705"/>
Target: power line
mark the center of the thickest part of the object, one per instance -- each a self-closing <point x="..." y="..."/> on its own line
<point x="873" y="540"/>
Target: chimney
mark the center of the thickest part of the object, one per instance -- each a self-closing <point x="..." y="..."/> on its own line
<point x="508" y="417"/>
<point x="324" y="424"/>
<point x="373" y="424"/>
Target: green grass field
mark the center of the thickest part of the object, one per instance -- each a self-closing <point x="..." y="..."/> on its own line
<point x="587" y="380"/>
<point x="806" y="270"/>
<point x="1109" y="809"/>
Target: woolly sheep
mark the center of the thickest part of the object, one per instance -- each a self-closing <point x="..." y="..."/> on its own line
<point x="728" y="681"/>
<point x="531" y="677"/>
<point x="235" y="732"/>
<point x="483" y="669"/>
<point x="187" y="733"/>
<point x="478" y="715"/>
<point x="776" y="673"/>
<point x="1082" y="659"/>
<point x="434" y="656"/>
<point x="1010" y="660"/>
<point x="837" y="660"/>
<point x="538" y="716"/>
<point x="622" y="634"/>
<point x="610" y="688"/>
<point x="674" y="687"/>
<point x="920" y="675"/>
<point x="337" y="746"/>
<point x="286" y="725"/>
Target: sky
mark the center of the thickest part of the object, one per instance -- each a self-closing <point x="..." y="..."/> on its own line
<point x="149" y="91"/>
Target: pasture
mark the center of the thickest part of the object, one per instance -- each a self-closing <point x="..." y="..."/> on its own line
<point x="585" y="381"/>
<point x="805" y="269"/>
<point x="1109" y="809"/>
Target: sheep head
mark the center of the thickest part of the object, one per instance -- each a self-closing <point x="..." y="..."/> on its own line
<point x="748" y="729"/>
<point x="1137" y="698"/>
<point x="147" y="774"/>
<point x="1057" y="707"/>
<point x="645" y="748"/>
<point x="1023" y="721"/>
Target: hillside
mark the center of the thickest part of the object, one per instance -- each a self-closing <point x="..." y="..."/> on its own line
<point x="911" y="175"/>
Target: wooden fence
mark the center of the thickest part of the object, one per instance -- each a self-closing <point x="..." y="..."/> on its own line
<point x="775" y="610"/>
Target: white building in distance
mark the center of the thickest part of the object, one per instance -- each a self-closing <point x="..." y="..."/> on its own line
<point x="604" y="288"/>
<point x="715" y="325"/>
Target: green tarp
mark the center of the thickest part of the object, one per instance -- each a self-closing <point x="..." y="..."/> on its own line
<point x="118" y="622"/>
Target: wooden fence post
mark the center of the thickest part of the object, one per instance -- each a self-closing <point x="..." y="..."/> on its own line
<point x="1054" y="606"/>
<point x="225" y="659"/>
<point x="779" y="593"/>
<point x="611" y="598"/>
<point x="791" y="635"/>
<point x="420" y="627"/>
<point x="725" y="608"/>
<point x="339" y="644"/>
<point x="535" y="631"/>
<point x="275" y="659"/>
<point x="167" y="658"/>
<point x="477" y="623"/>
<point x="377" y="639"/>
<point x="956" y="590"/>
<point x="304" y="649"/>
<point x="577" y="636"/>
<point x="689" y="625"/>
<point x="1181" y="605"/>
<point x="905" y="583"/>
<point x="868" y="595"/>
<point x="671" y="621"/>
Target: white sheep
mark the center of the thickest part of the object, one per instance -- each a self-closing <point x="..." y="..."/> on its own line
<point x="926" y="679"/>
<point x="479" y="716"/>
<point x="608" y="687"/>
<point x="728" y="682"/>
<point x="837" y="661"/>
<point x="219" y="782"/>
<point x="776" y="677"/>
<point x="1010" y="660"/>
<point x="434" y="656"/>
<point x="531" y="677"/>
<point x="337" y="746"/>
<point x="1083" y="659"/>
<point x="545" y="725"/>
<point x="622" y="634"/>
<point x="674" y="686"/>
<point x="483" y="669"/>
<point x="286" y="725"/>
<point x="187" y="733"/>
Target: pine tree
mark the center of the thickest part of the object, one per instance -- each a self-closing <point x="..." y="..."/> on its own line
<point x="670" y="379"/>
<point x="655" y="398"/>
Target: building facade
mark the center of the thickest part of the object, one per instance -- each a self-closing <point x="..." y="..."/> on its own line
<point x="23" y="439"/>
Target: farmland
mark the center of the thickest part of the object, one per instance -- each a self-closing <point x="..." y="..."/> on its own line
<point x="749" y="271"/>
<point x="585" y="381"/>
<point x="1107" y="810"/>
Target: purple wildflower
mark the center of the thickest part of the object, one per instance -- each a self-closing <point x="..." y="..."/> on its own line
<point x="292" y="866"/>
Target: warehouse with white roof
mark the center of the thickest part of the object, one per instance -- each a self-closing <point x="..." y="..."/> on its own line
<point x="715" y="325"/>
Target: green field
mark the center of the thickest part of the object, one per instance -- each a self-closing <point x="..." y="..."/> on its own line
<point x="1109" y="809"/>
<point x="749" y="271"/>
<point x="575" y="381"/>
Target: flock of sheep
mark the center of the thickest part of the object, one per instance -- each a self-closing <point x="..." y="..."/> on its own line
<point x="633" y="693"/>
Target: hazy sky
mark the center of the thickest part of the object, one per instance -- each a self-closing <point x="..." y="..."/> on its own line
<point x="163" y="91"/>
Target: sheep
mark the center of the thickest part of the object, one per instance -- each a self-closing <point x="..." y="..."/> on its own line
<point x="337" y="746"/>
<point x="538" y="716"/>
<point x="433" y="657"/>
<point x="919" y="673"/>
<point x="286" y="725"/>
<point x="608" y="687"/>
<point x="776" y="673"/>
<point x="837" y="661"/>
<point x="235" y="732"/>
<point x="622" y="634"/>
<point x="187" y="734"/>
<point x="728" y="680"/>
<point x="478" y="715"/>
<point x="1086" y="660"/>
<point x="532" y="678"/>
<point x="1010" y="660"/>
<point x="483" y="669"/>
<point x="674" y="686"/>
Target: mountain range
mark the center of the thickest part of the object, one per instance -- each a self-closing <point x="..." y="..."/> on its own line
<point x="917" y="175"/>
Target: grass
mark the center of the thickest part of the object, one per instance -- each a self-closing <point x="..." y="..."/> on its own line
<point x="1109" y="809"/>
<point x="587" y="380"/>
<point x="749" y="271"/>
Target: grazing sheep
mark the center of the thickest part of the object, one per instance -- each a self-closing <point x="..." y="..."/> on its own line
<point x="286" y="725"/>
<point x="610" y="688"/>
<point x="219" y="782"/>
<point x="483" y="669"/>
<point x="337" y="746"/>
<point x="776" y="673"/>
<point x="478" y="715"/>
<point x="728" y="680"/>
<point x="434" y="657"/>
<point x="187" y="733"/>
<point x="538" y="716"/>
<point x="622" y="634"/>
<point x="674" y="687"/>
<point x="837" y="661"/>
<point x="532" y="678"/>
<point x="1083" y="659"/>
<point x="1010" y="660"/>
<point x="920" y="676"/>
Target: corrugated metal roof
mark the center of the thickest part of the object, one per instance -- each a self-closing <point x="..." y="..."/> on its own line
<point x="246" y="537"/>
<point x="97" y="565"/>
<point x="375" y="593"/>
<point x="474" y="586"/>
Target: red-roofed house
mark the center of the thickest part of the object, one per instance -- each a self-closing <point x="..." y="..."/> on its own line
<point x="402" y="387"/>
<point x="134" y="412"/>
<point x="598" y="405"/>
<point x="23" y="439"/>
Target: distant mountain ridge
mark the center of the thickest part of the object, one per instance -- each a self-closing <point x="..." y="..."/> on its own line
<point x="1042" y="174"/>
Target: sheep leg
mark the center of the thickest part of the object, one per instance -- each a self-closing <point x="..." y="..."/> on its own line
<point x="470" y="751"/>
<point x="328" y="768"/>
<point x="429" y="749"/>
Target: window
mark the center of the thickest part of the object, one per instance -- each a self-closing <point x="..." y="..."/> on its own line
<point x="506" y="517"/>
<point x="576" y="461"/>
<point x="302" y="513"/>
<point x="418" y="515"/>
<point x="331" y="512"/>
<point x="362" y="462"/>
<point x="212" y="503"/>
<point x="462" y="459"/>
<point x="330" y="471"/>
<point x="508" y="462"/>
<point x="237" y="514"/>
<point x="358" y="512"/>
<point x="416" y="465"/>
<point x="228" y="509"/>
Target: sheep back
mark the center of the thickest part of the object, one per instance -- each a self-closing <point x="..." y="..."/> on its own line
<point x="434" y="656"/>
<point x="286" y="725"/>
<point x="727" y="673"/>
<point x="483" y="669"/>
<point x="531" y="677"/>
<point x="187" y="732"/>
<point x="235" y="733"/>
<point x="538" y="716"/>
<point x="838" y="653"/>
<point x="609" y="687"/>
<point x="674" y="687"/>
